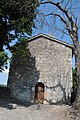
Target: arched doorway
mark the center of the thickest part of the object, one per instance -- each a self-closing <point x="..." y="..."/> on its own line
<point x="39" y="92"/>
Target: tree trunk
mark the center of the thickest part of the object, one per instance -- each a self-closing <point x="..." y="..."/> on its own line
<point x="77" y="62"/>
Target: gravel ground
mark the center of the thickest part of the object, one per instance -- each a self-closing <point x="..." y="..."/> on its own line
<point x="13" y="111"/>
<point x="77" y="114"/>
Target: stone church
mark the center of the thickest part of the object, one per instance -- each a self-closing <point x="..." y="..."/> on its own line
<point x="46" y="75"/>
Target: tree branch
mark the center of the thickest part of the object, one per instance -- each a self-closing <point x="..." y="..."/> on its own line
<point x="62" y="19"/>
<point x="71" y="26"/>
<point x="60" y="8"/>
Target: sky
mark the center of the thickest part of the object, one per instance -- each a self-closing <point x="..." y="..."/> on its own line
<point x="41" y="29"/>
<point x="4" y="77"/>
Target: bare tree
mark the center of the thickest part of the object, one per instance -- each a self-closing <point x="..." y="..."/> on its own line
<point x="66" y="12"/>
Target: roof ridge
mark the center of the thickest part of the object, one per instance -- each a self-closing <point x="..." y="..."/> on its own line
<point x="50" y="38"/>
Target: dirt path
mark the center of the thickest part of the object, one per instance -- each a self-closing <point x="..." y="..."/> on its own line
<point x="11" y="111"/>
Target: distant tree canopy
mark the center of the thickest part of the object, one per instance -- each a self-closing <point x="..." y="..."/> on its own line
<point x="16" y="19"/>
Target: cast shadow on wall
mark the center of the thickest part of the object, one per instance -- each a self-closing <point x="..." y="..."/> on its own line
<point x="23" y="74"/>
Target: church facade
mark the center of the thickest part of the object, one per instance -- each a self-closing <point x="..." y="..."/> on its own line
<point x="44" y="76"/>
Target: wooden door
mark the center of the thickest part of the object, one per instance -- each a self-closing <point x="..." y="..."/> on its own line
<point x="39" y="92"/>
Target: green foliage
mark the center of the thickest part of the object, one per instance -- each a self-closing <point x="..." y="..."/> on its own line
<point x="15" y="17"/>
<point x="1" y="85"/>
<point x="74" y="80"/>
<point x="3" y="60"/>
<point x="20" y="51"/>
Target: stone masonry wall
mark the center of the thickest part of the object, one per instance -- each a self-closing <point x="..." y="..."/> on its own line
<point x="50" y="63"/>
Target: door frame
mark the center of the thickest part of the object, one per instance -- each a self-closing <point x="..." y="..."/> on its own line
<point x="39" y="84"/>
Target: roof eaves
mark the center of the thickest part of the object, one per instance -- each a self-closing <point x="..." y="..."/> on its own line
<point x="50" y="38"/>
